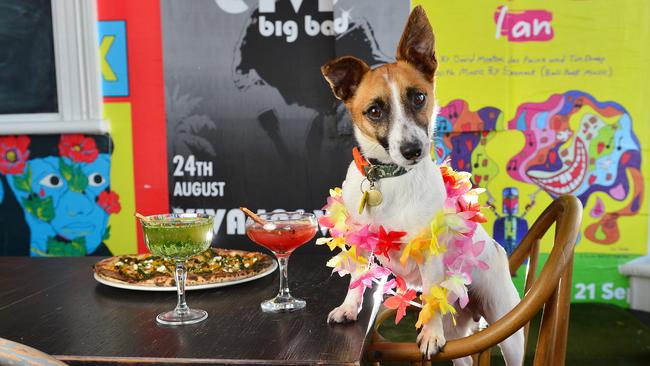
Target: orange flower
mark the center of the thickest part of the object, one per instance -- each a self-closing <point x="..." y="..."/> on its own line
<point x="456" y="183"/>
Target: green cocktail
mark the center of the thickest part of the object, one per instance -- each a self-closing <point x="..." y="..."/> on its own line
<point x="178" y="237"/>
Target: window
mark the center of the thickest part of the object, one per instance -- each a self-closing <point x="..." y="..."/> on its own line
<point x="52" y="84"/>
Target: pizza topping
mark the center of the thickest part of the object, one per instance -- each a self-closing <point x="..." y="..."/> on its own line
<point x="138" y="267"/>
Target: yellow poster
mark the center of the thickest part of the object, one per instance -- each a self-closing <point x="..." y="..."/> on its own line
<point x="540" y="99"/>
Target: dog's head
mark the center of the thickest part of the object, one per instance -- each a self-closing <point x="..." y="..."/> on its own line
<point x="392" y="106"/>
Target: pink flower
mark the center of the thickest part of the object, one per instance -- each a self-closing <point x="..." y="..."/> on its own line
<point x="365" y="279"/>
<point x="362" y="237"/>
<point x="336" y="216"/>
<point x="397" y="283"/>
<point x="464" y="257"/>
<point x="467" y="206"/>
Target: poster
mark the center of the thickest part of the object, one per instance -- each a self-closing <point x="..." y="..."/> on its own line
<point x="250" y="119"/>
<point x="543" y="99"/>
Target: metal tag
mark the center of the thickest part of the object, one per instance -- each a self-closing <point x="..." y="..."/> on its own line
<point x="374" y="197"/>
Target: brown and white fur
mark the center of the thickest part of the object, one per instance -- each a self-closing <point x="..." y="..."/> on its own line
<point x="393" y="110"/>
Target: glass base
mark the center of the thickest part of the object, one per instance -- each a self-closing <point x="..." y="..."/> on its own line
<point x="282" y="304"/>
<point x="174" y="317"/>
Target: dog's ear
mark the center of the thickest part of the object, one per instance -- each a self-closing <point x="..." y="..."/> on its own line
<point x="344" y="75"/>
<point x="417" y="44"/>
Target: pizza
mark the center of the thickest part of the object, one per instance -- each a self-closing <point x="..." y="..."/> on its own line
<point x="215" y="265"/>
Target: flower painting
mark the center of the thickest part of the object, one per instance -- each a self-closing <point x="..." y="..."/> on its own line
<point x="58" y="186"/>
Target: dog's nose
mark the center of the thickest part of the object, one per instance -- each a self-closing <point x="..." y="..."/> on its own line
<point x="411" y="150"/>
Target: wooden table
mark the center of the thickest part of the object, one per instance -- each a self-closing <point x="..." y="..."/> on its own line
<point x="55" y="305"/>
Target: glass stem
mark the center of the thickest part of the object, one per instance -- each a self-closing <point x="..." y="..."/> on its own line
<point x="181" y="307"/>
<point x="283" y="263"/>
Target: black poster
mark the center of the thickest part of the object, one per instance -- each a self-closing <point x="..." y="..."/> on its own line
<point x="250" y="119"/>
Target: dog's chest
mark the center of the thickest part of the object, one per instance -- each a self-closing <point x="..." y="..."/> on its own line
<point x="408" y="202"/>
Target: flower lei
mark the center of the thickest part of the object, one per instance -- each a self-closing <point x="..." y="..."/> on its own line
<point x="449" y="234"/>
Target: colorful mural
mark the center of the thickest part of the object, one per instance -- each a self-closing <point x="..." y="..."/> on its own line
<point x="462" y="136"/>
<point x="573" y="144"/>
<point x="577" y="145"/>
<point x="62" y="189"/>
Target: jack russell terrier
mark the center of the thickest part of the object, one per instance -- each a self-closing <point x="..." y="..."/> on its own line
<point x="393" y="110"/>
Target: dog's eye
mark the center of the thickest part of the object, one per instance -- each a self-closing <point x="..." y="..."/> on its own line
<point x="419" y="99"/>
<point x="374" y="113"/>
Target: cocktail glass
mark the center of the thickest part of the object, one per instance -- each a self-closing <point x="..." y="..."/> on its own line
<point x="282" y="233"/>
<point x="178" y="237"/>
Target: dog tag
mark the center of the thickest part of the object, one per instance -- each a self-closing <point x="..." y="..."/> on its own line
<point x="374" y="197"/>
<point x="363" y="202"/>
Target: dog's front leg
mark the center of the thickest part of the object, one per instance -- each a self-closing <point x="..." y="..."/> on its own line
<point x="351" y="306"/>
<point x="432" y="337"/>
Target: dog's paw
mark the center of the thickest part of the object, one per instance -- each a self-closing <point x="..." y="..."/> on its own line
<point x="430" y="342"/>
<point x="343" y="314"/>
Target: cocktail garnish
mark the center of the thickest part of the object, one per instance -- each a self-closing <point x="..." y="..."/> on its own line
<point x="266" y="225"/>
<point x="141" y="217"/>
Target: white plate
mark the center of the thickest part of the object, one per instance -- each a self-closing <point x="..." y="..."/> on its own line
<point x="129" y="286"/>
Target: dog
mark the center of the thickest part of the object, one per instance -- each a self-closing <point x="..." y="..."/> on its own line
<point x="393" y="110"/>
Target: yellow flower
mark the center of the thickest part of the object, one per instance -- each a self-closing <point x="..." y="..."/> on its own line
<point x="347" y="261"/>
<point x="425" y="315"/>
<point x="432" y="302"/>
<point x="338" y="214"/>
<point x="426" y="242"/>
<point x="415" y="247"/>
<point x="336" y="192"/>
<point x="437" y="227"/>
<point x="332" y="243"/>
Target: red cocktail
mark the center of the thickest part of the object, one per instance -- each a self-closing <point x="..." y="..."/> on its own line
<point x="283" y="239"/>
<point x="282" y="233"/>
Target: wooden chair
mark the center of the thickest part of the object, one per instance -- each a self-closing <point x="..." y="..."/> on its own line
<point x="551" y="292"/>
<point x="17" y="354"/>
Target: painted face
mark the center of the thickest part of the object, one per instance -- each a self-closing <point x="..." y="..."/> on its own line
<point x="78" y="213"/>
<point x="577" y="145"/>
<point x="62" y="203"/>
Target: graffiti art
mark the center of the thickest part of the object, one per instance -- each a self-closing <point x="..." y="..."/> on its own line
<point x="55" y="196"/>
<point x="578" y="145"/>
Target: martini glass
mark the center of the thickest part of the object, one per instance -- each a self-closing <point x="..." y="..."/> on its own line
<point x="177" y="237"/>
<point x="282" y="233"/>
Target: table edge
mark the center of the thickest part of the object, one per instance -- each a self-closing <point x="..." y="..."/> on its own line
<point x="123" y="360"/>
